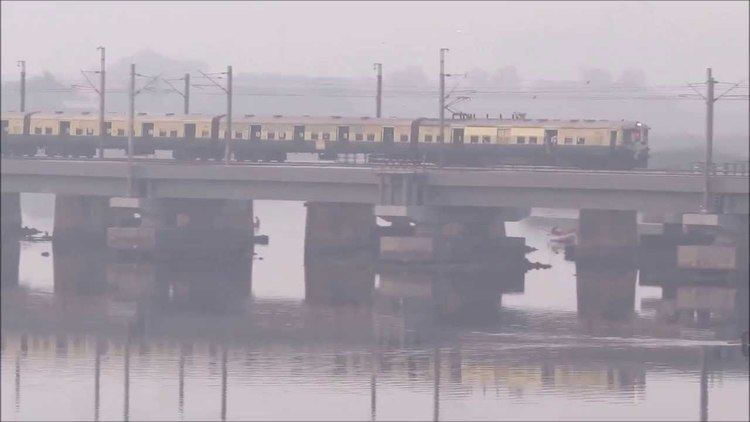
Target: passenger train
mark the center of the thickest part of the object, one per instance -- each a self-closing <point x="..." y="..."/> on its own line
<point x="469" y="141"/>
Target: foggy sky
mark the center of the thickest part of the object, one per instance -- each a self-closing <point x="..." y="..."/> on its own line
<point x="672" y="42"/>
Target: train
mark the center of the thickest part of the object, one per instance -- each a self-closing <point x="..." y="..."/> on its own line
<point x="593" y="144"/>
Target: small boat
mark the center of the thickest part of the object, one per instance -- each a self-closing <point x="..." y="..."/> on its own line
<point x="566" y="237"/>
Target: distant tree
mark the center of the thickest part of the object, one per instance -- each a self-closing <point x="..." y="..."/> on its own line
<point x="597" y="78"/>
<point x="632" y="78"/>
<point x="507" y="77"/>
<point x="409" y="76"/>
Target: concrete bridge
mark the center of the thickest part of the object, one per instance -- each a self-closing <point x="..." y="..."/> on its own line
<point x="650" y="191"/>
<point x="436" y="214"/>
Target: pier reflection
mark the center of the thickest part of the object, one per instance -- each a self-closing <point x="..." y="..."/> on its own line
<point x="437" y="334"/>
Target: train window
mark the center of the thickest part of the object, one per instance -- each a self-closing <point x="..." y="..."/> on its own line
<point x="486" y="139"/>
<point x="404" y="138"/>
<point x="173" y="133"/>
<point x="532" y="139"/>
<point x="474" y="139"/>
<point x="568" y="141"/>
<point x="48" y="131"/>
<point x="282" y="135"/>
<point x="38" y="130"/>
<point x="370" y="136"/>
<point x="89" y="131"/>
<point x="270" y="135"/>
<point x="326" y="136"/>
<point x="314" y="136"/>
<point x="581" y="141"/>
<point x="358" y="137"/>
<point x="520" y="139"/>
<point x="238" y="135"/>
<point x="204" y="133"/>
<point x="120" y="132"/>
<point x="428" y="138"/>
<point x="79" y="131"/>
<point x="440" y="138"/>
<point x="162" y="133"/>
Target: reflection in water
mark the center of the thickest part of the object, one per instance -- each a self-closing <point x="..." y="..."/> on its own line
<point x="367" y="342"/>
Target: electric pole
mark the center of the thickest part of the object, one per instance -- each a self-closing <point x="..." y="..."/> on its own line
<point x="101" y="103"/>
<point x="187" y="93"/>
<point x="442" y="94"/>
<point x="22" y="64"/>
<point x="709" y="139"/>
<point x="131" y="112"/>
<point x="228" y="149"/>
<point x="131" y="128"/>
<point x="379" y="97"/>
<point x="228" y="91"/>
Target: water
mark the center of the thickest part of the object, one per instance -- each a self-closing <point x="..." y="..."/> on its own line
<point x="82" y="341"/>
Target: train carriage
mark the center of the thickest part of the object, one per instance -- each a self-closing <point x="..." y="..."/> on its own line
<point x="582" y="143"/>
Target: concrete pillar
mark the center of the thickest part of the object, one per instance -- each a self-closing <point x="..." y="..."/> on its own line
<point x="450" y="234"/>
<point x="335" y="227"/>
<point x="10" y="215"/>
<point x="79" y="267"/>
<point x="183" y="229"/>
<point x="81" y="218"/>
<point x="605" y="290"/>
<point x="11" y="258"/>
<point x="606" y="234"/>
<point x="339" y="282"/>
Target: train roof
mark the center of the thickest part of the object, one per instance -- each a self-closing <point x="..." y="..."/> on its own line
<point x="325" y="120"/>
<point x="337" y="120"/>
<point x="535" y="123"/>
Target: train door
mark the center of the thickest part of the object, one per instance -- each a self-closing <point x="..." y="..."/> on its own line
<point x="255" y="132"/>
<point x="147" y="130"/>
<point x="64" y="128"/>
<point x="299" y="133"/>
<point x="343" y="133"/>
<point x="550" y="137"/>
<point x="388" y="135"/>
<point x="189" y="130"/>
<point x="458" y="136"/>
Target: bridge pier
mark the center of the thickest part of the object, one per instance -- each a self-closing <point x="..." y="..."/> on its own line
<point x="727" y="248"/>
<point x="10" y="215"/>
<point x="10" y="232"/>
<point x="81" y="219"/>
<point x="605" y="290"/>
<point x="335" y="228"/>
<point x="182" y="229"/>
<point x="450" y="234"/>
<point x="607" y="234"/>
<point x="331" y="281"/>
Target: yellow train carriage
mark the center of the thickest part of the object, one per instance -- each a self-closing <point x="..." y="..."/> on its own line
<point x="12" y="122"/>
<point x="484" y="134"/>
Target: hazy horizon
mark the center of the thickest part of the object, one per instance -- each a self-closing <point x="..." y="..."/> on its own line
<point x="671" y="42"/>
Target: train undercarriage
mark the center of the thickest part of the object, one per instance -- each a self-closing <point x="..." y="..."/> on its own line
<point x="588" y="157"/>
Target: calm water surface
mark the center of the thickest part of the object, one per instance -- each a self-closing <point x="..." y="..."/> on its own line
<point x="83" y="339"/>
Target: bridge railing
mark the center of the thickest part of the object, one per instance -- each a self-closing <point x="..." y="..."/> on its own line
<point x="739" y="168"/>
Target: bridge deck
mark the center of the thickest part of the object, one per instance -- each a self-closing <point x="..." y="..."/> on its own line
<point x="653" y="191"/>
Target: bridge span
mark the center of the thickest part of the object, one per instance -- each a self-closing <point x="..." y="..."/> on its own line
<point x="524" y="187"/>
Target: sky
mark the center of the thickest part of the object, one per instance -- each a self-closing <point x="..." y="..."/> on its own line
<point x="672" y="42"/>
